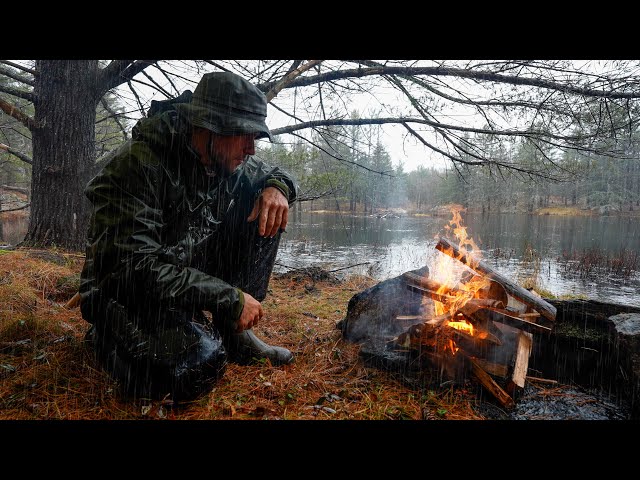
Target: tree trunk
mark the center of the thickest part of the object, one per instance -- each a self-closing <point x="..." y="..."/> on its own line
<point x="63" y="152"/>
<point x="1" y="222"/>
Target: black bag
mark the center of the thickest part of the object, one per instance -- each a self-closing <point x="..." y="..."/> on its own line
<point x="159" y="106"/>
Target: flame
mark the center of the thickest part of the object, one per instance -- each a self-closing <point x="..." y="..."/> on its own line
<point x="463" y="326"/>
<point x="446" y="271"/>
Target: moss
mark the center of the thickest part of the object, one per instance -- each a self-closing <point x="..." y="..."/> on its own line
<point x="571" y="296"/>
<point x="572" y="330"/>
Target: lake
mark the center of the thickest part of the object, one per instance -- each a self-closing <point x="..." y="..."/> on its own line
<point x="516" y="245"/>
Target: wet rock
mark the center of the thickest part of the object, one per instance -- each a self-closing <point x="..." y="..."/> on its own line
<point x="371" y="313"/>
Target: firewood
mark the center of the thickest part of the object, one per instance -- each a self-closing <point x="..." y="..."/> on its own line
<point x="479" y="335"/>
<point x="547" y="310"/>
<point x="518" y="377"/>
<point x="541" y="380"/>
<point x="475" y="304"/>
<point x="492" y="368"/>
<point x="505" y="316"/>
<point x="429" y="284"/>
<point x="438" y="297"/>
<point x="435" y="321"/>
<point x="489" y="383"/>
<point x="494" y="290"/>
<point x="73" y="301"/>
<point x="417" y="335"/>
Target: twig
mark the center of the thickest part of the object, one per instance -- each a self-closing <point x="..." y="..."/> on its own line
<point x="350" y="266"/>
<point x="14" y="209"/>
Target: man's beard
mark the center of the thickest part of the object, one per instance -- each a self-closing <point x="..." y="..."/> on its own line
<point x="215" y="169"/>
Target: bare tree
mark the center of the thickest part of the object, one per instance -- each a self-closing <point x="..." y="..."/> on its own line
<point x="450" y="107"/>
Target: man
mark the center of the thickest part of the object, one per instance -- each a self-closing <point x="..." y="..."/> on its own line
<point x="185" y="221"/>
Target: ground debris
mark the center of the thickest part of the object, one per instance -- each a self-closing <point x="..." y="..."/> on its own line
<point x="316" y="274"/>
<point x="567" y="402"/>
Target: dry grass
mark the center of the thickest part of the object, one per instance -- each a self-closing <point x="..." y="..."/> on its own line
<point x="565" y="211"/>
<point x="46" y="373"/>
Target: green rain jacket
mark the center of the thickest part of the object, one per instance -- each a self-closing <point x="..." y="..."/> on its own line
<point x="155" y="213"/>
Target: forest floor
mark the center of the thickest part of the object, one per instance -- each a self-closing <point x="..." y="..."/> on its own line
<point x="46" y="372"/>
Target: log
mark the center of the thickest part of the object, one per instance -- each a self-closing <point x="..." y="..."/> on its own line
<point x="506" y="317"/>
<point x="438" y="297"/>
<point x="487" y="382"/>
<point x="476" y="304"/>
<point x="519" y="375"/>
<point x="479" y="335"/>
<point x="492" y="368"/>
<point x="429" y="284"/>
<point x="542" y="380"/>
<point x="73" y="302"/>
<point x="493" y="291"/>
<point x="403" y="318"/>
<point x="433" y="321"/>
<point x="547" y="310"/>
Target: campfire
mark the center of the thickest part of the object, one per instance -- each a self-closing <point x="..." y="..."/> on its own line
<point x="476" y="323"/>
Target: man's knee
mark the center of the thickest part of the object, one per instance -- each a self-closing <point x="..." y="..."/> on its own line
<point x="182" y="360"/>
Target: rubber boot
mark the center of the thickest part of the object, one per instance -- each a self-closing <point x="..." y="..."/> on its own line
<point x="245" y="347"/>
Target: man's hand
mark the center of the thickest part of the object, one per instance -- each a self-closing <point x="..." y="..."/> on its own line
<point x="251" y="313"/>
<point x="272" y="208"/>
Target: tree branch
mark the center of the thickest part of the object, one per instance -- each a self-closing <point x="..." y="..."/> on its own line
<point x="21" y="156"/>
<point x="115" y="117"/>
<point x="17" y="208"/>
<point x="436" y="149"/>
<point x="119" y="72"/>
<point x="29" y="96"/>
<point x="452" y="72"/>
<point x="18" y="115"/>
<point x="15" y="76"/>
<point x="20" y="67"/>
<point x="289" y="77"/>
<point x="158" y="86"/>
<point x="402" y="120"/>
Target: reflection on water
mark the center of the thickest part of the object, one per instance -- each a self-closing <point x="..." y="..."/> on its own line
<point x="518" y="246"/>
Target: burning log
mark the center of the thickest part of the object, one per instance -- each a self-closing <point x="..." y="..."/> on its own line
<point x="429" y="284"/>
<point x="547" y="310"/>
<point x="446" y="293"/>
<point x="478" y="334"/>
<point x="439" y="297"/>
<point x="504" y="316"/>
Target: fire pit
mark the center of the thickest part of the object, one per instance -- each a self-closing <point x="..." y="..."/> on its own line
<point x="436" y="327"/>
<point x="482" y="326"/>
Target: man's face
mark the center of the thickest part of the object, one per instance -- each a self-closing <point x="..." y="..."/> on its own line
<point x="229" y="151"/>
